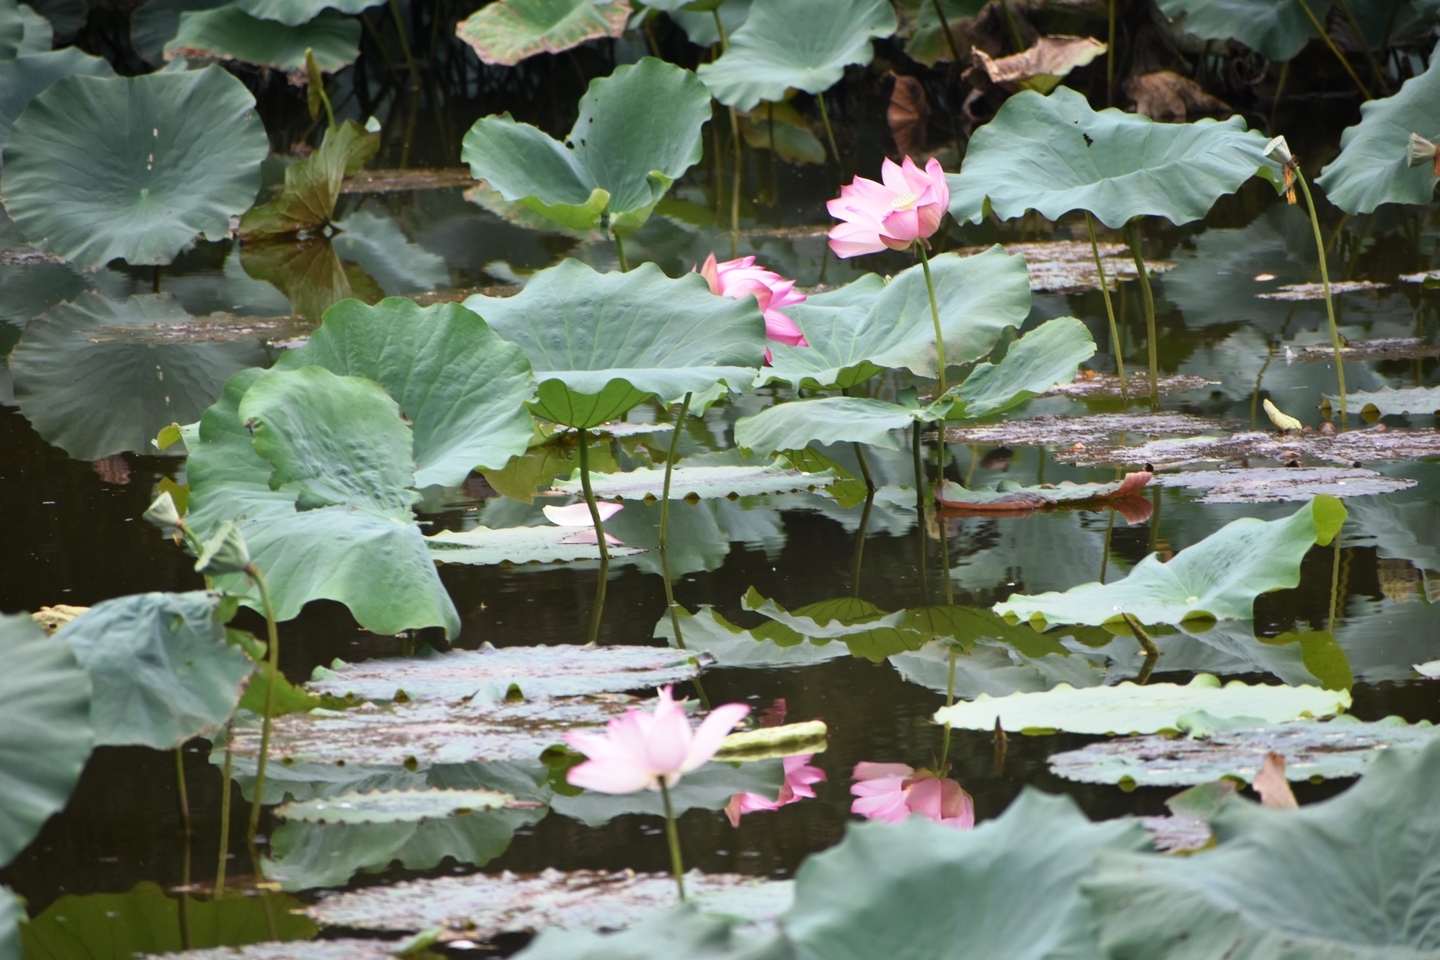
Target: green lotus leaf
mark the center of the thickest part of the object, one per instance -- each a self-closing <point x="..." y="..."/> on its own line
<point x="293" y="13"/>
<point x="393" y="806"/>
<point x="490" y="674"/>
<point x="462" y="387"/>
<point x="1006" y="890"/>
<point x="602" y="342"/>
<point x="1343" y="747"/>
<point x="25" y="76"/>
<point x="510" y="31"/>
<point x="337" y="524"/>
<point x="229" y="33"/>
<point x="927" y="43"/>
<point x="12" y="915"/>
<point x="1128" y="708"/>
<point x="865" y="630"/>
<point x="708" y="632"/>
<point x="637" y="133"/>
<point x="12" y="29"/>
<point x="1348" y="877"/>
<point x="39" y="36"/>
<point x="700" y="481"/>
<point x="1217" y="578"/>
<point x="1373" y="166"/>
<point x="1045" y="356"/>
<point x="312" y="185"/>
<point x="1389" y="402"/>
<point x="161" y="667"/>
<point x="96" y="377"/>
<point x="683" y="931"/>
<point x="769" y="54"/>
<point x="699" y="24"/>
<point x="787" y="133"/>
<point x="310" y="273"/>
<point x="155" y="22"/>
<point x="45" y="732"/>
<point x="709" y="788"/>
<point x="1275" y="29"/>
<point x="133" y="167"/>
<point x="483" y="546"/>
<point x="1054" y="154"/>
<point x="860" y="329"/>
<point x="996" y="668"/>
<point x="827" y="420"/>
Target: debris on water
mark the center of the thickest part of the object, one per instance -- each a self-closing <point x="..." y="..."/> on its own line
<point x="1069" y="431"/>
<point x="1316" y="291"/>
<point x="395" y="181"/>
<point x="1136" y="384"/>
<point x="1353" y="448"/>
<point x="1279" y="484"/>
<point x="1383" y="348"/>
<point x="1068" y="266"/>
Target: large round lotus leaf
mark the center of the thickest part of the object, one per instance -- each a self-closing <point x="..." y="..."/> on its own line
<point x="1215" y="579"/>
<point x="1275" y="29"/>
<point x="45" y="732"/>
<point x="1373" y="167"/>
<point x="637" y="133"/>
<point x="296" y="12"/>
<point x="860" y="329"/>
<point x="12" y="914"/>
<point x="1006" y="890"/>
<point x="462" y="386"/>
<point x="155" y="23"/>
<point x="96" y="377"/>
<point x="800" y="44"/>
<point x="337" y="525"/>
<point x="510" y="31"/>
<point x="699" y="25"/>
<point x="229" y="33"/>
<point x="161" y="667"/>
<point x="25" y="76"/>
<point x="1054" y="154"/>
<point x="133" y="167"/>
<point x="1349" y="878"/>
<point x="602" y="342"/>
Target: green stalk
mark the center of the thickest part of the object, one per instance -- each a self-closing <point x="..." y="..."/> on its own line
<point x="1149" y="313"/>
<point x="1110" y="61"/>
<point x="1105" y="556"/>
<point x="405" y="46"/>
<point x="934" y="314"/>
<point x="1320" y="27"/>
<point x="620" y="252"/>
<point x="945" y="28"/>
<point x="1109" y="307"/>
<point x="915" y="449"/>
<point x="599" y="535"/>
<point x="672" y="836"/>
<point x="665" y="520"/>
<point x="829" y="131"/>
<point x="859" y="554"/>
<point x="949" y="702"/>
<point x="273" y="633"/>
<point x="735" y="189"/>
<point x="225" y="816"/>
<point x="185" y="865"/>
<point x="1329" y="301"/>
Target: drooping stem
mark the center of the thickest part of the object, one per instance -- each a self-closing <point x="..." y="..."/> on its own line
<point x="829" y="131"/>
<point x="945" y="29"/>
<point x="227" y="789"/>
<point x="1150" y="334"/>
<point x="273" y="653"/>
<point x="185" y="827"/>
<point x="1105" y="289"/>
<point x="620" y="252"/>
<point x="672" y="836"/>
<point x="665" y="521"/>
<point x="1320" y="28"/>
<point x="1110" y="60"/>
<point x="1329" y="301"/>
<point x="934" y="315"/>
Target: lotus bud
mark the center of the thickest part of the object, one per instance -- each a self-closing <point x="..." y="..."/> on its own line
<point x="1277" y="149"/>
<point x="225" y="552"/>
<point x="163" y="512"/>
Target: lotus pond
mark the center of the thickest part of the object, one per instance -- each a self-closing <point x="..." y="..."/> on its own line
<point x="1033" y="501"/>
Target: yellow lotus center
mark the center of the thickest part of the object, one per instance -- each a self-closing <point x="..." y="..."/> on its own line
<point x="903" y="202"/>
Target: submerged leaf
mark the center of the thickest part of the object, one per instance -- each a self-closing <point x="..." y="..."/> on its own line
<point x="506" y="33"/>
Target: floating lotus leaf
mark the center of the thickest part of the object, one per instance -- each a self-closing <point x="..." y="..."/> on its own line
<point x="1217" y="578"/>
<point x="709" y="788"/>
<point x="1349" y="449"/>
<point x="682" y="931"/>
<point x="1006" y="890"/>
<point x="864" y="327"/>
<point x="296" y="12"/>
<point x="1092" y="429"/>
<point x="1279" y="484"/>
<point x="1068" y="266"/>
<point x="1010" y="496"/>
<point x="393" y="806"/>
<point x="602" y="342"/>
<point x="337" y="522"/>
<point x="863" y="627"/>
<point x="25" y="76"/>
<point x="344" y="948"/>
<point x="995" y="668"/>
<point x="133" y="167"/>
<point x="1128" y="708"/>
<point x="1275" y="29"/>
<point x="637" y="133"/>
<point x="162" y="669"/>
<point x="96" y="377"/>
<point x="1343" y="747"/>
<point x="486" y="906"/>
<point x="488" y="673"/>
<point x="708" y="632"/>
<point x="768" y="55"/>
<point x="702" y="482"/>
<point x="806" y="739"/>
<point x="45" y="732"/>
<point x="1387" y="402"/>
<point x="310" y="273"/>
<point x="508" y="32"/>
<point x="1287" y="884"/>
<point x="312" y="185"/>
<point x="1054" y="154"/>
<point x="460" y="385"/>
<point x="483" y="546"/>
<point x="229" y="33"/>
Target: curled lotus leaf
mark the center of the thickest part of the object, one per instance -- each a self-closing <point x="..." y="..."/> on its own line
<point x="293" y="13"/>
<point x="484" y="546"/>
<point x="229" y="33"/>
<point x="490" y="674"/>
<point x="506" y="33"/>
<point x="1333" y="749"/>
<point x="701" y="482"/>
<point x="307" y="200"/>
<point x="1275" y="29"/>
<point x="1010" y="496"/>
<point x="1130" y="708"/>
<point x="393" y="806"/>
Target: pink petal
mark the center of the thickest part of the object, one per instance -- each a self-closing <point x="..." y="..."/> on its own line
<point x="888" y="807"/>
<point x="940" y="185"/>
<point x="733" y="811"/>
<point x="714" y="728"/>
<point x="875" y="771"/>
<point x="929" y="216"/>
<point x="863" y="194"/>
<point x="667" y="741"/>
<point x="578" y="514"/>
<point x="782" y="329"/>
<point x="610" y="776"/>
<point x="710" y="271"/>
<point x="923" y="798"/>
<point x="895" y="177"/>
<point x="854" y="239"/>
<point x="902" y="226"/>
<point x="957" y="808"/>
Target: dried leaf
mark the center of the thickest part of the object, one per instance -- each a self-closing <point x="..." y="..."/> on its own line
<point x="1170" y="98"/>
<point x="1038" y="68"/>
<point x="908" y="114"/>
<point x="1272" y="786"/>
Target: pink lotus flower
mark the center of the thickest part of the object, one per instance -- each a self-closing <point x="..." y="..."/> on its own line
<point x="741" y="278"/>
<point x="908" y="206"/>
<point x="893" y="791"/>
<point x="639" y="750"/>
<point x="799" y="775"/>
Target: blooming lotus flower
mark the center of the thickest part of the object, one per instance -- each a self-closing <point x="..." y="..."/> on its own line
<point x="799" y="775"/>
<point x="741" y="278"/>
<point x="641" y="750"/>
<point x="893" y="791"/>
<point x="908" y="206"/>
<point x="578" y="515"/>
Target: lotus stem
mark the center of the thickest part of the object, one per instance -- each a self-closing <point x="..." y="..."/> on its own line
<point x="829" y="131"/>
<point x="1364" y="90"/>
<point x="858" y="556"/>
<point x="1105" y="556"/>
<point x="1014" y="27"/>
<point x="599" y="536"/>
<point x="735" y="189"/>
<point x="405" y="46"/>
<point x="1334" y="588"/>
<point x="620" y="252"/>
<point x="224" y="859"/>
<point x="185" y="827"/>
<point x="665" y="520"/>
<point x="945" y="562"/>
<point x="1325" y="280"/>
<point x="949" y="37"/>
<point x="915" y="449"/>
<point x="1154" y="519"/>
<point x="1109" y="307"/>
<point x="864" y="467"/>
<point x="949" y="702"/>
<point x="273" y="653"/>
<point x="1152" y="652"/>
<point x="1369" y="54"/>
<point x="1279" y="92"/>
<point x="934" y="316"/>
<point x="672" y="836"/>
<point x="1150" y="333"/>
<point x="1110" y="62"/>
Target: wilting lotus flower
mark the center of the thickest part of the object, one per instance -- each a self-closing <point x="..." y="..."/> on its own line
<point x="741" y="278"/>
<point x="642" y="750"/>
<point x="908" y="206"/>
<point x="578" y="515"/>
<point x="799" y="775"/>
<point x="894" y="791"/>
